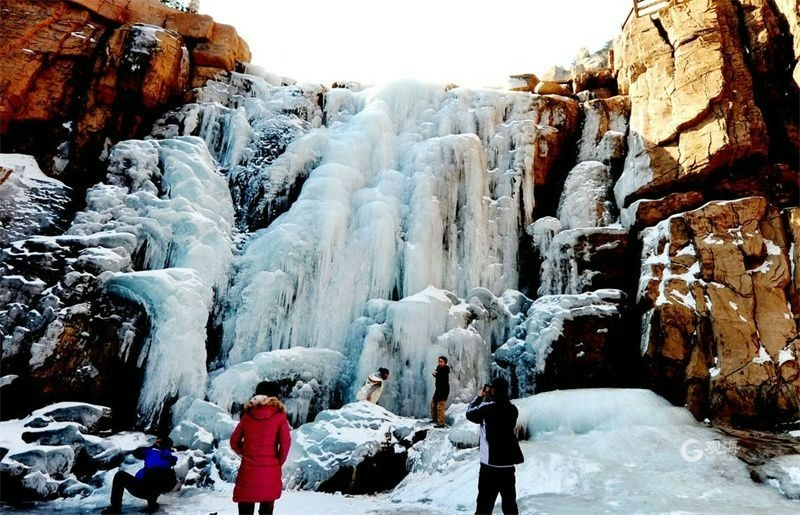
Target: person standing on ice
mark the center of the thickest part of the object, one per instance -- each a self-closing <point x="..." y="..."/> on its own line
<point x="262" y="440"/>
<point x="499" y="449"/>
<point x="373" y="386"/>
<point x="442" y="391"/>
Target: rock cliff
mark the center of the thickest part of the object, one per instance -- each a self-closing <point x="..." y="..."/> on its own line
<point x="80" y="75"/>
<point x="714" y="120"/>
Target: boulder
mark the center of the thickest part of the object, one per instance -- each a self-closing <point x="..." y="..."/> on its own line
<point x="55" y="434"/>
<point x="552" y="88"/>
<point x="718" y="332"/>
<point x="222" y="49"/>
<point x="49" y="460"/>
<point x="205" y="415"/>
<point x="647" y="212"/>
<point x="364" y="450"/>
<point x="571" y="341"/>
<point x="38" y="484"/>
<point x="90" y="416"/>
<point x="524" y="82"/>
<point x="584" y="79"/>
<point x="190" y="435"/>
<point x="610" y="150"/>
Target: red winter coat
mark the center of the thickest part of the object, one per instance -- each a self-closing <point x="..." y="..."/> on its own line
<point x="262" y="440"/>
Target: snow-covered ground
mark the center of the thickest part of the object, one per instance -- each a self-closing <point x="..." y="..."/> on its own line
<point x="588" y="451"/>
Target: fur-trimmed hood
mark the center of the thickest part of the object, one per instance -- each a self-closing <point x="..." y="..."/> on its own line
<point x="261" y="403"/>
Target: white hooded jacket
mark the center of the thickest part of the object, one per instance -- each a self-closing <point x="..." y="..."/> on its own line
<point x="372" y="389"/>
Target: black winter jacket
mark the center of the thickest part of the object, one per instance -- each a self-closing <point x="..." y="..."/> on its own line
<point x="442" y="383"/>
<point x="498" y="444"/>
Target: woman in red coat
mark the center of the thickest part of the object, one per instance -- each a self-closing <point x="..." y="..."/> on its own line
<point x="262" y="440"/>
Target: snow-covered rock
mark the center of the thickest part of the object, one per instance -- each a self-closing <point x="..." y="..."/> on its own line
<point x="30" y="201"/>
<point x="49" y="460"/>
<point x="586" y="200"/>
<point x="205" y="415"/>
<point x="568" y="341"/>
<point x="189" y="434"/>
<point x="783" y="473"/>
<point x="358" y="448"/>
<point x="308" y="381"/>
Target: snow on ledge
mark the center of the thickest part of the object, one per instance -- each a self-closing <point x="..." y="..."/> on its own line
<point x="590" y="409"/>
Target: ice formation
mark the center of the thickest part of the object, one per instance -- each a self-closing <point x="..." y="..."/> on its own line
<point x="167" y="207"/>
<point x="30" y="201"/>
<point x="398" y="189"/>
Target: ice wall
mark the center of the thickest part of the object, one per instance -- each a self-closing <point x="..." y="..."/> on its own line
<point x="415" y="186"/>
<point x="171" y="217"/>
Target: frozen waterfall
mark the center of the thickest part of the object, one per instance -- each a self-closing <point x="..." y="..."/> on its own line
<point x="379" y="225"/>
<point x="402" y="188"/>
<point x="167" y="208"/>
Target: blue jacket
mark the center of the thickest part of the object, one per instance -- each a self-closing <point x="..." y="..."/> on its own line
<point x="157" y="472"/>
<point x="498" y="444"/>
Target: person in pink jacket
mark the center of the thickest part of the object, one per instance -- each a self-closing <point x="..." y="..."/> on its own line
<point x="262" y="440"/>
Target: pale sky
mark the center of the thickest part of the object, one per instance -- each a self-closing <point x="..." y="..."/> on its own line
<point x="467" y="42"/>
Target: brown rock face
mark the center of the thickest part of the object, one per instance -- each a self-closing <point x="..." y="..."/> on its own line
<point x="789" y="12"/>
<point x="39" y="57"/>
<point x="772" y="58"/>
<point x="145" y="66"/>
<point x="647" y="212"/>
<point x="556" y="120"/>
<point x="77" y="75"/>
<point x="721" y="336"/>
<point x="695" y="113"/>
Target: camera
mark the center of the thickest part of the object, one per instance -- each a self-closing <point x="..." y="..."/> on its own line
<point x="487" y="387"/>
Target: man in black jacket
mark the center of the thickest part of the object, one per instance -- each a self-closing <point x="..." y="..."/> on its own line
<point x="442" y="375"/>
<point x="499" y="448"/>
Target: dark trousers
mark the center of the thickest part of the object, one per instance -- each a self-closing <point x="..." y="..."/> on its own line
<point x="124" y="481"/>
<point x="493" y="481"/>
<point x="264" y="508"/>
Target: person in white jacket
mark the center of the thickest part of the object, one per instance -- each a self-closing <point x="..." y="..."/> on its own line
<point x="373" y="386"/>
